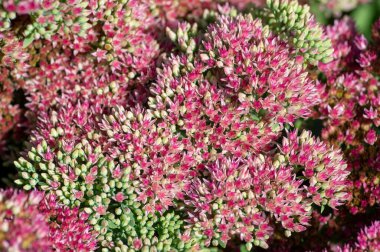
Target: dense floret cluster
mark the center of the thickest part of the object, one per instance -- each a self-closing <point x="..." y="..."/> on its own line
<point x="145" y="125"/>
<point x="35" y="222"/>
<point x="350" y="110"/>
<point x="294" y="23"/>
<point x="367" y="240"/>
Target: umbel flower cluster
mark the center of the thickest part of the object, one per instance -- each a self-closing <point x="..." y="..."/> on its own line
<point x="177" y="125"/>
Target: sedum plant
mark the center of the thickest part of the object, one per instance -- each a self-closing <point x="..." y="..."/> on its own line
<point x="35" y="222"/>
<point x="294" y="23"/>
<point x="350" y="110"/>
<point x="184" y="173"/>
<point x="171" y="125"/>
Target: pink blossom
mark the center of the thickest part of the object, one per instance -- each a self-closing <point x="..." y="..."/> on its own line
<point x="371" y="137"/>
<point x="368" y="239"/>
<point x="352" y="86"/>
<point x="69" y="228"/>
<point x="22" y="225"/>
<point x="21" y="7"/>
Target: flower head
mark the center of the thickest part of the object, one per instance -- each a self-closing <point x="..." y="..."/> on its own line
<point x="241" y="88"/>
<point x="224" y="205"/>
<point x="320" y="164"/>
<point x="350" y="109"/>
<point x="368" y="239"/>
<point x="22" y="226"/>
<point x="111" y="167"/>
<point x="294" y="23"/>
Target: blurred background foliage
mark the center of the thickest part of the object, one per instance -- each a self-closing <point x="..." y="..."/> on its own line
<point x="364" y="15"/>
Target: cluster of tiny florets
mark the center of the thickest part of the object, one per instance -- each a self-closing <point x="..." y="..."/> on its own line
<point x="183" y="125"/>
<point x="293" y="21"/>
<point x="22" y="226"/>
<point x="82" y="47"/>
<point x="163" y="165"/>
<point x="368" y="239"/>
<point x="230" y="97"/>
<point x="34" y="222"/>
<point x="350" y="109"/>
<point x="106" y="167"/>
<point x="13" y="66"/>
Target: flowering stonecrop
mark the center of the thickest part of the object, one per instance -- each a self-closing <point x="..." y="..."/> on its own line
<point x="120" y="43"/>
<point x="68" y="228"/>
<point x="229" y="97"/>
<point x="155" y="155"/>
<point x="91" y="163"/>
<point x="196" y="168"/>
<point x="169" y="125"/>
<point x="81" y="46"/>
<point x="295" y="23"/>
<point x="223" y="205"/>
<point x="322" y="165"/>
<point x="34" y="222"/>
<point x="368" y="239"/>
<point x="234" y="198"/>
<point x="350" y="110"/>
<point x="22" y="226"/>
<point x="21" y="6"/>
<point x="145" y="171"/>
<point x="237" y="197"/>
<point x="12" y="67"/>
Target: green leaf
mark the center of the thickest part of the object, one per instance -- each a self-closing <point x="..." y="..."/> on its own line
<point x="132" y="222"/>
<point x="298" y="124"/>
<point x="255" y="116"/>
<point x="243" y="248"/>
<point x="221" y="243"/>
<point x="364" y="16"/>
<point x="319" y="15"/>
<point x="28" y="40"/>
<point x="112" y="225"/>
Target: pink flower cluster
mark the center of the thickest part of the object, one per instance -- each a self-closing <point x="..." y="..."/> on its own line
<point x="239" y="195"/>
<point x="183" y="125"/>
<point x="368" y="239"/>
<point x="13" y="65"/>
<point x="33" y="222"/>
<point x="350" y="110"/>
<point x="70" y="65"/>
<point x="206" y="141"/>
<point x="68" y="228"/>
<point x="22" y="226"/>
<point x="233" y="94"/>
<point x="82" y="46"/>
<point x="21" y="6"/>
<point x="242" y="87"/>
